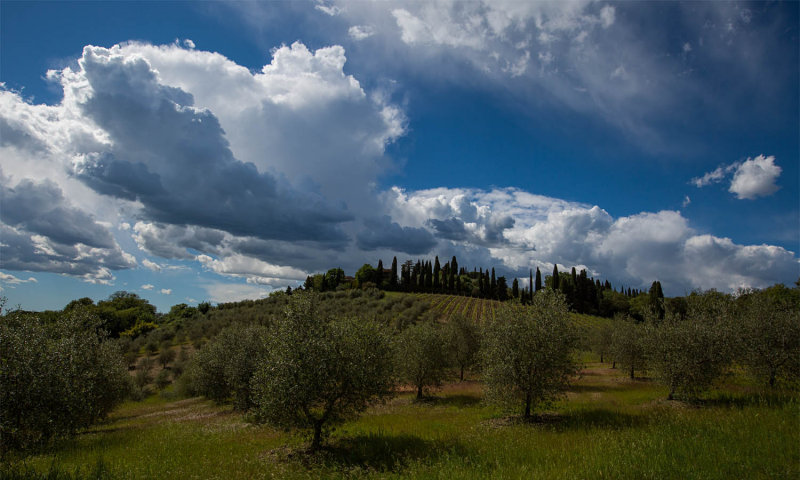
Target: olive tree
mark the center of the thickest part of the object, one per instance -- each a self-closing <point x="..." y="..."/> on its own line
<point x="527" y="353"/>
<point x="224" y="367"/>
<point x="688" y="353"/>
<point x="628" y="344"/>
<point x="770" y="333"/>
<point x="56" y="377"/>
<point x="600" y="341"/>
<point x="462" y="337"/>
<point x="319" y="371"/>
<point x="420" y="356"/>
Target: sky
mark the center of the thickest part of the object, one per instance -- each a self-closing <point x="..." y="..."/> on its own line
<point x="217" y="151"/>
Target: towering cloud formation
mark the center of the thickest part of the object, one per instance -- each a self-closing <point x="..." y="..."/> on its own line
<point x="270" y="175"/>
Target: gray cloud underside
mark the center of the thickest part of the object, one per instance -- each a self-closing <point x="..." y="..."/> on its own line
<point x="382" y="232"/>
<point x="175" y="160"/>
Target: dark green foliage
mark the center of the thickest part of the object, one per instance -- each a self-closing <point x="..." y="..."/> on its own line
<point x="555" y="277"/>
<point x="379" y="274"/>
<point x="393" y="275"/>
<point x="502" y="289"/>
<point x="527" y="352"/>
<point x="318" y="371"/>
<point x="365" y="274"/>
<point x="419" y="355"/>
<point x="203" y="307"/>
<point x="123" y="310"/>
<point x="538" y="281"/>
<point x="56" y="378"/>
<point x="656" y="299"/>
<point x="613" y="303"/>
<point x="436" y="272"/>
<point x="223" y="368"/>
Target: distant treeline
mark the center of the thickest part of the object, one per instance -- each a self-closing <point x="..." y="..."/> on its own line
<point x="584" y="294"/>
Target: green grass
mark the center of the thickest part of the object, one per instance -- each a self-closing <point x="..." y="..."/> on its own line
<point x="606" y="427"/>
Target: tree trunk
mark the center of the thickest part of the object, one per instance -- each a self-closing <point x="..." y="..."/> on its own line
<point x="317" y="440"/>
<point x="528" y="405"/>
<point x="772" y="378"/>
<point x="671" y="395"/>
<point x="419" y="392"/>
<point x="614" y="365"/>
<point x="601" y="358"/>
<point x="632" y="372"/>
<point x="462" y="373"/>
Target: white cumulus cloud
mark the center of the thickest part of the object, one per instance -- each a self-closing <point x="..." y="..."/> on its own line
<point x="756" y="177"/>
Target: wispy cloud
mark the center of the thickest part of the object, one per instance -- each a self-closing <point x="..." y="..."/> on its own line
<point x="9" y="279"/>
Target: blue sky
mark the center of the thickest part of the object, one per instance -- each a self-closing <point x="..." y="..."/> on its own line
<point x="216" y="151"/>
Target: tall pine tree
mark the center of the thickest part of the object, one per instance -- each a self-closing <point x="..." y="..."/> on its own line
<point x="393" y="278"/>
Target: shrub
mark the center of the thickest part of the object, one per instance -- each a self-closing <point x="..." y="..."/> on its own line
<point x="56" y="378"/>
<point x="527" y="352"/>
<point x="162" y="379"/>
<point x="166" y="356"/>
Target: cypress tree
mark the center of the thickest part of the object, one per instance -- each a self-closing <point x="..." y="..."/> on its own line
<point x="502" y="289"/>
<point x="556" y="279"/>
<point x="538" y="281"/>
<point x="393" y="278"/>
<point x="428" y="276"/>
<point x="379" y="273"/>
<point x="515" y="288"/>
<point x="530" y="282"/>
<point x="436" y="269"/>
<point x="453" y="274"/>
<point x="493" y="286"/>
<point x="656" y="299"/>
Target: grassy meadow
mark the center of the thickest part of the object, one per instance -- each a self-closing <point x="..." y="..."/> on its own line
<point x="606" y="426"/>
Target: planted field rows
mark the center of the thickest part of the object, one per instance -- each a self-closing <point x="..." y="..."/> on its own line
<point x="445" y="306"/>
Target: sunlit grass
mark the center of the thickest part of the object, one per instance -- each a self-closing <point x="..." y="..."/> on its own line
<point x="607" y="426"/>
